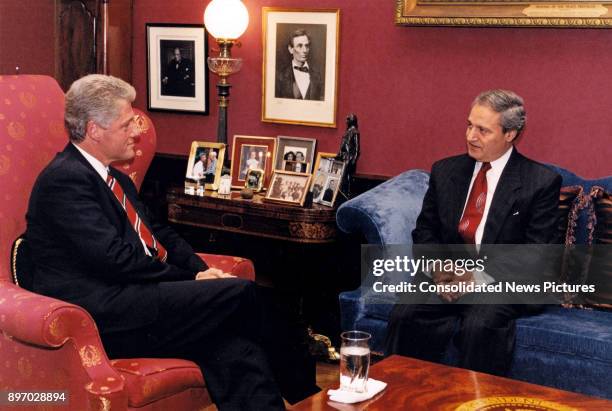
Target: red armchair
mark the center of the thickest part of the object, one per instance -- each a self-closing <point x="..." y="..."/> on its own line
<point x="48" y="344"/>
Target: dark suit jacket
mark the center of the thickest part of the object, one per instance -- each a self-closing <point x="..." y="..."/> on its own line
<point x="86" y="252"/>
<point x="286" y="87"/>
<point x="523" y="209"/>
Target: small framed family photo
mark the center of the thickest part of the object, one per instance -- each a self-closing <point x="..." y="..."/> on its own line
<point x="295" y="154"/>
<point x="205" y="163"/>
<point x="177" y="78"/>
<point x="251" y="152"/>
<point x="288" y="187"/>
<point x="327" y="179"/>
<point x="300" y="75"/>
<point x="254" y="179"/>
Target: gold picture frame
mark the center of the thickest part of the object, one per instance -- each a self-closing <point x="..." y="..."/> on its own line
<point x="204" y="149"/>
<point x="504" y="13"/>
<point x="254" y="179"/>
<point x="261" y="149"/>
<point x="327" y="178"/>
<point x="312" y="99"/>
<point x="288" y="188"/>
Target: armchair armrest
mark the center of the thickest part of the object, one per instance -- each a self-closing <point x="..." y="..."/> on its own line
<point x="387" y="213"/>
<point x="42" y="321"/>
<point x="240" y="267"/>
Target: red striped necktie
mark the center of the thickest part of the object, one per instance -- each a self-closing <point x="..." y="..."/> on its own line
<point x="475" y="206"/>
<point x="139" y="226"/>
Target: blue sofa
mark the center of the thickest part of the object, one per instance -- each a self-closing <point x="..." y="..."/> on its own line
<point x="565" y="348"/>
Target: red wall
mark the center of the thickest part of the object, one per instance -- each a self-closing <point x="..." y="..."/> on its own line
<point x="26" y="36"/>
<point x="411" y="87"/>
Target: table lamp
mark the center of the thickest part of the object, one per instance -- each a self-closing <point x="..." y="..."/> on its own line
<point x="226" y="21"/>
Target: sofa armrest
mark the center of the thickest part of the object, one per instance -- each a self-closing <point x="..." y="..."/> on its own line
<point x="238" y="266"/>
<point x="387" y="213"/>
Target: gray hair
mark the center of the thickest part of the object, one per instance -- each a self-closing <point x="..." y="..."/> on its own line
<point x="509" y="104"/>
<point x="94" y="97"/>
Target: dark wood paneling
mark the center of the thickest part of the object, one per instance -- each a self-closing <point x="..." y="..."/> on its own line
<point x="92" y="36"/>
<point x="75" y="47"/>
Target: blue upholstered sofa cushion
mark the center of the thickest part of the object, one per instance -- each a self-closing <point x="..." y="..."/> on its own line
<point x="387" y="213"/>
<point x="565" y="348"/>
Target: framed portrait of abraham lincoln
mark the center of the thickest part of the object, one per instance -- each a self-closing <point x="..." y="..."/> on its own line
<point x="177" y="78"/>
<point x="300" y="66"/>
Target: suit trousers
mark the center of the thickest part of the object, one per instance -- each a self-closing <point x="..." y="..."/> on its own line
<point x="483" y="333"/>
<point x="228" y="327"/>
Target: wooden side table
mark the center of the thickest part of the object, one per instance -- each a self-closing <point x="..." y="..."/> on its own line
<point x="314" y="224"/>
<point x="298" y="250"/>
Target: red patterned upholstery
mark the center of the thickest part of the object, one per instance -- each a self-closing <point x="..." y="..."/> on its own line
<point x="149" y="380"/>
<point x="47" y="344"/>
<point x="238" y="266"/>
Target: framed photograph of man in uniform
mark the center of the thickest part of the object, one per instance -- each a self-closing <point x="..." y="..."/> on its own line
<point x="177" y="78"/>
<point x="300" y="72"/>
<point x="205" y="163"/>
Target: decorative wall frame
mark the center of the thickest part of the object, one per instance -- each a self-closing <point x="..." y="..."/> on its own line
<point x="312" y="100"/>
<point x="513" y="13"/>
<point x="174" y="83"/>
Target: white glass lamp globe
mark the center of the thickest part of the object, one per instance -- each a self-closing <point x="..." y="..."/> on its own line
<point x="226" y="19"/>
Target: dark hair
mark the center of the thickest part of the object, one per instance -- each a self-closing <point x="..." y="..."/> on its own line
<point x="298" y="33"/>
<point x="286" y="156"/>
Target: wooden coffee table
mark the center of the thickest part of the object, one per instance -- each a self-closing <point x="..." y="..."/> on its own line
<point x="420" y="385"/>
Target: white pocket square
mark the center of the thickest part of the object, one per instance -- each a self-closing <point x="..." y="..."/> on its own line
<point x="515" y="213"/>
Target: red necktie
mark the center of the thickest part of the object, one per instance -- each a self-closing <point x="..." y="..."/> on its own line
<point x="475" y="206"/>
<point x="143" y="231"/>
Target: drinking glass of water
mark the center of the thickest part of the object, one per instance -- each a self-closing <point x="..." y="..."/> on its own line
<point x="354" y="360"/>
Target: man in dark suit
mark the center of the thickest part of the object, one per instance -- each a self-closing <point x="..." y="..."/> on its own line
<point x="179" y="78"/>
<point x="94" y="244"/>
<point x="491" y="195"/>
<point x="299" y="80"/>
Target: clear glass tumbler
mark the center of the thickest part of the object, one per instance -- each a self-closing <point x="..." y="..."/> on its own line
<point x="354" y="360"/>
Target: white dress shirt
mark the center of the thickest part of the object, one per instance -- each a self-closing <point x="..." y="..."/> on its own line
<point x="103" y="171"/>
<point x="302" y="79"/>
<point x="492" y="176"/>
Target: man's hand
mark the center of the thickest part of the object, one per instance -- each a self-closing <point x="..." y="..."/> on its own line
<point x="451" y="279"/>
<point x="442" y="277"/>
<point x="212" y="273"/>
